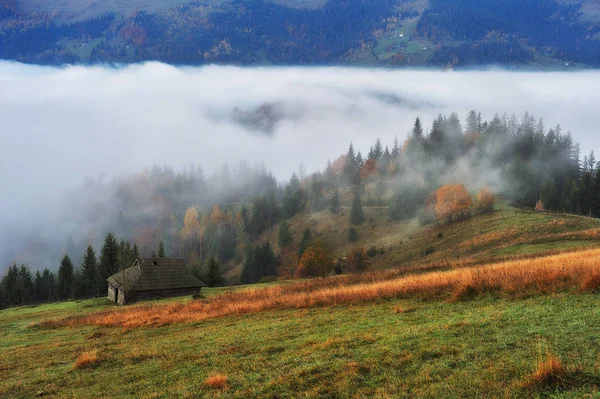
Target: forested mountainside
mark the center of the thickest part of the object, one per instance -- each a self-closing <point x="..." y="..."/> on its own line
<point x="441" y="33"/>
<point x="453" y="172"/>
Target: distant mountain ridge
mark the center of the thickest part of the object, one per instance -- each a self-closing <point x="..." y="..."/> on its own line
<point x="441" y="33"/>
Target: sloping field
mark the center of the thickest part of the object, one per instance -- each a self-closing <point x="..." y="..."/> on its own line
<point x="514" y="329"/>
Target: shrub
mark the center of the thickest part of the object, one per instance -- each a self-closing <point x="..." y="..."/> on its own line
<point x="372" y="251"/>
<point x="216" y="381"/>
<point x="87" y="360"/>
<point x="549" y="372"/>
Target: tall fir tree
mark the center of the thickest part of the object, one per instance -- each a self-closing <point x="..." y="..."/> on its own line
<point x="417" y="131"/>
<point x="89" y="272"/>
<point x="161" y="250"/>
<point x="285" y="234"/>
<point x="213" y="276"/>
<point x="65" y="279"/>
<point x="109" y="261"/>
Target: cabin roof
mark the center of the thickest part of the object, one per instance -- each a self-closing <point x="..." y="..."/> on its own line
<point x="148" y="274"/>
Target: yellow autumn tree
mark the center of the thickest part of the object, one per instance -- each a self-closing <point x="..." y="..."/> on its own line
<point x="316" y="261"/>
<point x="453" y="202"/>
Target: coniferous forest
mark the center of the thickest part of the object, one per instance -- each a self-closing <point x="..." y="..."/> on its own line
<point x="259" y="32"/>
<point x="455" y="170"/>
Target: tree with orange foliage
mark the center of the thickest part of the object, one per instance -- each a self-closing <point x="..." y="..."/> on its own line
<point x="368" y="169"/>
<point x="452" y="202"/>
<point x="358" y="260"/>
<point x="316" y="261"/>
<point x="337" y="167"/>
<point x="485" y="200"/>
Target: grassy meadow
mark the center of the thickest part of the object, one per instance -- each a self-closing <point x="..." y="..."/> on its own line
<point x="520" y="328"/>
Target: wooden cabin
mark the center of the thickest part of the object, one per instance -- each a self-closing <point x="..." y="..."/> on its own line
<point x="152" y="278"/>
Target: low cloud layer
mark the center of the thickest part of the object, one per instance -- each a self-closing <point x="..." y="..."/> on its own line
<point x="59" y="126"/>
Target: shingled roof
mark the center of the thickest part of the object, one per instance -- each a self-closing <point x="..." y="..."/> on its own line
<point x="155" y="274"/>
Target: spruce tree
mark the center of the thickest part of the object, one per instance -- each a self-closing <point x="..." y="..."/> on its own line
<point x="395" y="148"/>
<point x="135" y="253"/>
<point x="357" y="215"/>
<point x="285" y="234"/>
<point x="26" y="285"/>
<point x="109" y="261"/>
<point x="267" y="262"/>
<point x="334" y="205"/>
<point x="64" y="282"/>
<point x="213" y="276"/>
<point x="161" y="250"/>
<point x="249" y="271"/>
<point x="89" y="272"/>
<point x="417" y="131"/>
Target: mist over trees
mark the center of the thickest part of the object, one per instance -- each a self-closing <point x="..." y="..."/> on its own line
<point x="443" y="173"/>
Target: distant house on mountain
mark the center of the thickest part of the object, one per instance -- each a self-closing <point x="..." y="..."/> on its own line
<point x="152" y="278"/>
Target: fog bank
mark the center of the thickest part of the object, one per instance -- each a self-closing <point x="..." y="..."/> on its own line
<point x="59" y="126"/>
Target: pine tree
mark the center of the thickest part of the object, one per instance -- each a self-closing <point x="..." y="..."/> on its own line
<point x="26" y="285"/>
<point x="64" y="282"/>
<point x="357" y="215"/>
<point x="351" y="166"/>
<point x="135" y="253"/>
<point x="417" y="131"/>
<point x="89" y="272"/>
<point x="285" y="234"/>
<point x="109" y="261"/>
<point x="249" y="271"/>
<point x="334" y="205"/>
<point x="395" y="148"/>
<point x="161" y="250"/>
<point x="267" y="261"/>
<point x="378" y="149"/>
<point x="213" y="276"/>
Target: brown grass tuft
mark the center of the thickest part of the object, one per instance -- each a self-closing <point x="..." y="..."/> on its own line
<point x="557" y="273"/>
<point x="87" y="360"/>
<point x="591" y="283"/>
<point x="550" y="372"/>
<point x="216" y="381"/>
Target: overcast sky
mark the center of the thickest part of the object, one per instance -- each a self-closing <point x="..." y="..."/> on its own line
<point x="59" y="126"/>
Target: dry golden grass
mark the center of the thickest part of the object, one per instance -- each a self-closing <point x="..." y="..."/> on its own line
<point x="86" y="360"/>
<point x="489" y="238"/>
<point x="549" y="372"/>
<point x="216" y="381"/>
<point x="576" y="271"/>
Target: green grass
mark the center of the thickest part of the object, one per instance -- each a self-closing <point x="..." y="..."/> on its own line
<point x="398" y="348"/>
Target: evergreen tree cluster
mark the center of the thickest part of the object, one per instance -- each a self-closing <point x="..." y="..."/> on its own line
<point x="19" y="286"/>
<point x="260" y="262"/>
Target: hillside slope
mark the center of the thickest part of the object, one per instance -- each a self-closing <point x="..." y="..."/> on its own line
<point x="505" y="233"/>
<point x="441" y="33"/>
<point x="411" y="343"/>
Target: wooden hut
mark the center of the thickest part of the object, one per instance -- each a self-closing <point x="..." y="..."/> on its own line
<point x="152" y="278"/>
